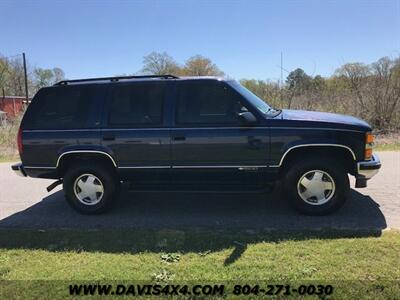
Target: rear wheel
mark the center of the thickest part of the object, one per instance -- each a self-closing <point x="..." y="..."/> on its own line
<point x="317" y="187"/>
<point x="90" y="189"/>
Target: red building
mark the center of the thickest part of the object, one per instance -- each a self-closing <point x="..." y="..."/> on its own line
<point x="12" y="105"/>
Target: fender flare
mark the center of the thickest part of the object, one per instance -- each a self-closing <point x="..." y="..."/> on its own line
<point x="85" y="151"/>
<point x="313" y="145"/>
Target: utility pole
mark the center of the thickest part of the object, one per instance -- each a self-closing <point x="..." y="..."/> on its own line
<point x="26" y="79"/>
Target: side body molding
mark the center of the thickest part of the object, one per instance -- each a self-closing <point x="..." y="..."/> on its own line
<point x="313" y="145"/>
<point x="85" y="151"/>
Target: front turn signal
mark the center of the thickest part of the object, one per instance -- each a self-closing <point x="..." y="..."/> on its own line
<point x="369" y="138"/>
<point x="369" y="143"/>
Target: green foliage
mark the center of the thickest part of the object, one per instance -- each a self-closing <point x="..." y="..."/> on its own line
<point x="266" y="90"/>
<point x="47" y="77"/>
<point x="43" y="77"/>
<point x="12" y="76"/>
<point x="170" y="257"/>
<point x="298" y="81"/>
<point x="12" y="79"/>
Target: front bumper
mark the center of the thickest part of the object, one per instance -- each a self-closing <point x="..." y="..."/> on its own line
<point x="19" y="169"/>
<point x="366" y="170"/>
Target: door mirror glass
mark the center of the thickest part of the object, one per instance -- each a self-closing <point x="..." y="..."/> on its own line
<point x="247" y="118"/>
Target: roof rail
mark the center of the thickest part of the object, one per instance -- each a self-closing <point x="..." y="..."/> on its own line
<point x="117" y="78"/>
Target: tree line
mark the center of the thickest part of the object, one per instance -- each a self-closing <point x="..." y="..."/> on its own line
<point x="12" y="82"/>
<point x="368" y="91"/>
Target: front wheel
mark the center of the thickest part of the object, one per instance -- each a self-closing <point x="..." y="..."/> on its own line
<point x="317" y="187"/>
<point x="90" y="188"/>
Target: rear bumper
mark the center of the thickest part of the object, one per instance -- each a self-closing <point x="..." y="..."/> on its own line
<point x="366" y="170"/>
<point x="19" y="169"/>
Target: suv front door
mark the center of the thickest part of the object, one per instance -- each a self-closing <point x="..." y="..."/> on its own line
<point x="209" y="142"/>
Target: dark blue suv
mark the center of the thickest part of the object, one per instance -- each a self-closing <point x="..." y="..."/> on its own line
<point x="201" y="133"/>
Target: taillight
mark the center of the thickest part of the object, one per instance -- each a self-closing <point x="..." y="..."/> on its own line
<point x="369" y="144"/>
<point x="19" y="141"/>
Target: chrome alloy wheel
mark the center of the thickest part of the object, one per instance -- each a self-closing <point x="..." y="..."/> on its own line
<point x="316" y="187"/>
<point x="88" y="189"/>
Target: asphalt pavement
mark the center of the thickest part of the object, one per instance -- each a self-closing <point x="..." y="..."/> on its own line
<point x="25" y="203"/>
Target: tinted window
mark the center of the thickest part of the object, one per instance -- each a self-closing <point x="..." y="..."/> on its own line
<point x="261" y="105"/>
<point x="207" y="102"/>
<point x="138" y="104"/>
<point x="61" y="108"/>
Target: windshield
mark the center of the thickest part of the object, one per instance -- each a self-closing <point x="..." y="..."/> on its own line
<point x="261" y="105"/>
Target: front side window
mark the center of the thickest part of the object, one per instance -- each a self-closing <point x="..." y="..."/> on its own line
<point x="137" y="104"/>
<point x="258" y="103"/>
<point x="207" y="102"/>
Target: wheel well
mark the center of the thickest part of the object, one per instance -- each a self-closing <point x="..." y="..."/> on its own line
<point x="72" y="158"/>
<point x="342" y="155"/>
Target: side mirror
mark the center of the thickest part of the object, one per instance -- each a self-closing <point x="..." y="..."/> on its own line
<point x="247" y="118"/>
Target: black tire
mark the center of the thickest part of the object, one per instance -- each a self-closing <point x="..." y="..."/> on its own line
<point x="104" y="176"/>
<point x="336" y="196"/>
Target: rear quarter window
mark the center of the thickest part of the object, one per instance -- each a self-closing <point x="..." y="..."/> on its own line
<point x="61" y="108"/>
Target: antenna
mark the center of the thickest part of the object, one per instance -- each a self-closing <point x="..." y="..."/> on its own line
<point x="281" y="82"/>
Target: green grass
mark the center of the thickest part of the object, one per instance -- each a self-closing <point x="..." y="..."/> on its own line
<point x="204" y="256"/>
<point x="8" y="158"/>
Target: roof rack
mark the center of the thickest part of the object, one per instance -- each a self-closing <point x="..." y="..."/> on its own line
<point x="117" y="78"/>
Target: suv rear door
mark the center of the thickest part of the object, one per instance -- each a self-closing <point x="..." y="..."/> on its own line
<point x="208" y="139"/>
<point x="135" y="127"/>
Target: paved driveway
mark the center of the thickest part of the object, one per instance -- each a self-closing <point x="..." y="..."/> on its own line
<point x="24" y="203"/>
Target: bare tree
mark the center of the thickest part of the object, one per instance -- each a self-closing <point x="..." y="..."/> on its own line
<point x="47" y="77"/>
<point x="58" y="75"/>
<point x="384" y="89"/>
<point x="4" y="73"/>
<point x="16" y="78"/>
<point x="266" y="90"/>
<point x="201" y="66"/>
<point x="376" y="88"/>
<point x="43" y="77"/>
<point x="356" y="73"/>
<point x="159" y="64"/>
<point x="12" y="76"/>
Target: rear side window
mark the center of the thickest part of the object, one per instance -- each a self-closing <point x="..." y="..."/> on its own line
<point x="61" y="108"/>
<point x="137" y="104"/>
<point x="208" y="103"/>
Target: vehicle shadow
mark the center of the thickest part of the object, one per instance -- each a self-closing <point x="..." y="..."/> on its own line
<point x="183" y="210"/>
<point x="184" y="222"/>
